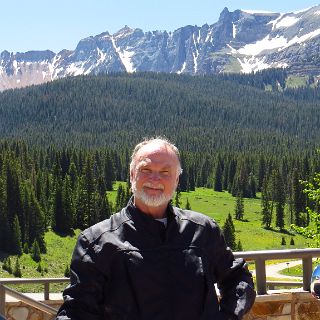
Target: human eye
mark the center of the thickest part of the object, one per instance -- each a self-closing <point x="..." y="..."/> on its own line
<point x="145" y="170"/>
<point x="165" y="173"/>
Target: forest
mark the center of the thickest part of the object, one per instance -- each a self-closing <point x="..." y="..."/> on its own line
<point x="63" y="145"/>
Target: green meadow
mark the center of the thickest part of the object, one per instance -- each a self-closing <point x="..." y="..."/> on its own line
<point x="249" y="231"/>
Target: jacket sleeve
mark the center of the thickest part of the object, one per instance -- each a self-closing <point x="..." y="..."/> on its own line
<point x="235" y="283"/>
<point x="83" y="298"/>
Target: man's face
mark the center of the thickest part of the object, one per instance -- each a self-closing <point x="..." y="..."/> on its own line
<point x="155" y="176"/>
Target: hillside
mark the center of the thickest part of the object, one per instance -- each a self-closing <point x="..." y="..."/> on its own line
<point x="198" y="112"/>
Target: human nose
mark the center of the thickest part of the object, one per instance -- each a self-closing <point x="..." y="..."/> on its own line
<point x="154" y="175"/>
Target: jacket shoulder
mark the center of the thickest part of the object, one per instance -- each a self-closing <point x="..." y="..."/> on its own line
<point x="195" y="217"/>
<point x="106" y="226"/>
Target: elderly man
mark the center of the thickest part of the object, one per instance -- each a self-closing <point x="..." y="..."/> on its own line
<point x="152" y="261"/>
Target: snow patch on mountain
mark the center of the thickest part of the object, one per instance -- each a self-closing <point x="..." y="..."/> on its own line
<point x="265" y="44"/>
<point x="286" y="22"/>
<point x="124" y="55"/>
<point x="256" y="11"/>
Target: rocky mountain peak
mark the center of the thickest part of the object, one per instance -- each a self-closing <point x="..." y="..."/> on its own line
<point x="240" y="41"/>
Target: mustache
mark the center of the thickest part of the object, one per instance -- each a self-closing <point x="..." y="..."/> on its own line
<point x="153" y="186"/>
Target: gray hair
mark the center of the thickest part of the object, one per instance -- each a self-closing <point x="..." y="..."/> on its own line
<point x="159" y="140"/>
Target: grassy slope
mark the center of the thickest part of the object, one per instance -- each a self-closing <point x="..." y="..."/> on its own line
<point x="214" y="204"/>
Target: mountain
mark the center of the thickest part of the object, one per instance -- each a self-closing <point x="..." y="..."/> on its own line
<point x="240" y="41"/>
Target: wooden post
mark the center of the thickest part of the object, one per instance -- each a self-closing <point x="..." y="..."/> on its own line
<point x="46" y="291"/>
<point x="307" y="272"/>
<point x="261" y="276"/>
<point x="2" y="300"/>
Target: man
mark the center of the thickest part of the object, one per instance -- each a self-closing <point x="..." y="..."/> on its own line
<point x="152" y="261"/>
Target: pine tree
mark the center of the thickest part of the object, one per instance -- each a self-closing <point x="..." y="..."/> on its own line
<point x="188" y="206"/>
<point x="67" y="271"/>
<point x="109" y="172"/>
<point x="4" y="226"/>
<point x="120" y="198"/>
<point x="90" y="192"/>
<point x="7" y="265"/>
<point x="218" y="176"/>
<point x="17" y="270"/>
<point x="68" y="210"/>
<point x="229" y="233"/>
<point x="239" y="208"/>
<point x="239" y="246"/>
<point x="177" y="201"/>
<point x="57" y="222"/>
<point x="35" y="251"/>
<point x="81" y="206"/>
<point x="279" y="198"/>
<point x="298" y="199"/>
<point x="37" y="221"/>
<point x="16" y="245"/>
<point x="267" y="205"/>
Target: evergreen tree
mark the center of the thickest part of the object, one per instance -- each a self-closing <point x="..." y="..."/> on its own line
<point x="35" y="251"/>
<point x="267" y="205"/>
<point x="239" y="208"/>
<point x="298" y="199"/>
<point x="67" y="271"/>
<point x="4" y="226"/>
<point x="58" y="214"/>
<point x="17" y="270"/>
<point x="7" y="265"/>
<point x="188" y="206"/>
<point x="109" y="172"/>
<point x="16" y="246"/>
<point x="279" y="198"/>
<point x="90" y="192"/>
<point x="239" y="246"/>
<point x="177" y="201"/>
<point x="68" y="210"/>
<point x="104" y="208"/>
<point x="82" y="219"/>
<point x="120" y="198"/>
<point x="229" y="233"/>
<point x="37" y="221"/>
<point x="218" y="176"/>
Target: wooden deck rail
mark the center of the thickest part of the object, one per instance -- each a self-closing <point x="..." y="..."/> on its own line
<point x="20" y="296"/>
<point x="259" y="257"/>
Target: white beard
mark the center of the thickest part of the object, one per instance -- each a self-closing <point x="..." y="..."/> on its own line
<point x="150" y="201"/>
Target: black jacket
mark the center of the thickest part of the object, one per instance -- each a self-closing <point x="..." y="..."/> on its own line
<point x="132" y="267"/>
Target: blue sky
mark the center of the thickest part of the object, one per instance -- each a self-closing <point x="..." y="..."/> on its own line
<point x="61" y="24"/>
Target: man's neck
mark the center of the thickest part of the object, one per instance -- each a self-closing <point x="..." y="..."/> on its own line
<point x="155" y="212"/>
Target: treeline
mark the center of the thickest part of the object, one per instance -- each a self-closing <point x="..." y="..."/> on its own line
<point x="227" y="113"/>
<point x="65" y="188"/>
<point x="43" y="189"/>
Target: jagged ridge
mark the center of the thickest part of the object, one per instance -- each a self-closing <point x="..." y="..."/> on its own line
<point x="239" y="41"/>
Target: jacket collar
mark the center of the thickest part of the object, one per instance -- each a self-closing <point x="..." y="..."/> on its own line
<point x="142" y="219"/>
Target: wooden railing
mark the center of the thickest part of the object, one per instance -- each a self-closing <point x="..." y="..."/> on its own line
<point x="259" y="257"/>
<point x="4" y="289"/>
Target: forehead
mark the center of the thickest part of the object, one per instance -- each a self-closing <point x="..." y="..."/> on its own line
<point x="156" y="154"/>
